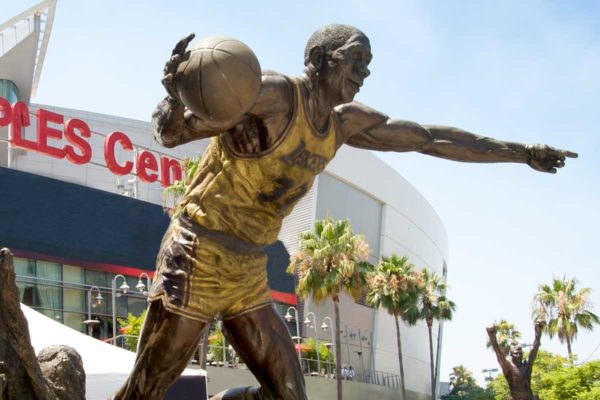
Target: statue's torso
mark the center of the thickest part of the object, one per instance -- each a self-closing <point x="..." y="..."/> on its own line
<point x="248" y="195"/>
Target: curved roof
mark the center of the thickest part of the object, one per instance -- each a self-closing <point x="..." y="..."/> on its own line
<point x="23" y="43"/>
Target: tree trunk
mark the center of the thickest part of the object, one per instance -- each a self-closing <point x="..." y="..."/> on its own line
<point x="338" y="348"/>
<point x="429" y="326"/>
<point x="400" y="361"/>
<point x="569" y="349"/>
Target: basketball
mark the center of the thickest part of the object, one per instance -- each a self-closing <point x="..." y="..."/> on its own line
<point x="218" y="79"/>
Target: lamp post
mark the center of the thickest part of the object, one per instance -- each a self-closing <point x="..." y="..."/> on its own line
<point x="347" y="336"/>
<point x="288" y="317"/>
<point x="124" y="288"/>
<point x="307" y="323"/>
<point x="361" y="337"/>
<point x="98" y="300"/>
<point x="140" y="285"/>
<point x="324" y="327"/>
<point x="489" y="371"/>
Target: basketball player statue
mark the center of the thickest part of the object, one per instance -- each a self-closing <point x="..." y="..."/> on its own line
<point x="517" y="371"/>
<point x="211" y="263"/>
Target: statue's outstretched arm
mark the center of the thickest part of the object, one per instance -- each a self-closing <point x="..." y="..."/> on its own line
<point x="367" y="128"/>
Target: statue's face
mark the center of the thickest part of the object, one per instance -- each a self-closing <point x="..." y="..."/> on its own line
<point x="347" y="69"/>
<point x="517" y="354"/>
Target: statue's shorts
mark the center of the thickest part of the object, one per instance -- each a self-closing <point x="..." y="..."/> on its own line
<point x="202" y="274"/>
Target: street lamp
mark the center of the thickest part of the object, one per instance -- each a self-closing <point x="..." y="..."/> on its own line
<point x="288" y="317"/>
<point x="97" y="301"/>
<point x="324" y="327"/>
<point x="124" y="288"/>
<point x="307" y="323"/>
<point x="140" y="285"/>
<point x="361" y="337"/>
<point x="490" y="371"/>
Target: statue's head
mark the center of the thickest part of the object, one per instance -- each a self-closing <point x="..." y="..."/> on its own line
<point x="337" y="58"/>
<point x="516" y="354"/>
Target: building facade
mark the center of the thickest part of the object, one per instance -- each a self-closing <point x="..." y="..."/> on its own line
<point x="83" y="203"/>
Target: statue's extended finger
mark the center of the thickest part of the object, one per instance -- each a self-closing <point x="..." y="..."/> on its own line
<point x="183" y="43"/>
<point x="569" y="154"/>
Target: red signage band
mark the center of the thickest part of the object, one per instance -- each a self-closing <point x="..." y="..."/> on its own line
<point x="52" y="131"/>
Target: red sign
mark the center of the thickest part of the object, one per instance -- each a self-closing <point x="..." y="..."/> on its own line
<point x="77" y="149"/>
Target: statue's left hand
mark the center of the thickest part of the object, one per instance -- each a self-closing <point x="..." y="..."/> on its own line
<point x="547" y="159"/>
<point x="539" y="326"/>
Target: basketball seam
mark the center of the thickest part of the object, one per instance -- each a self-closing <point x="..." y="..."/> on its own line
<point x="201" y="88"/>
<point x="231" y="89"/>
<point x="241" y="60"/>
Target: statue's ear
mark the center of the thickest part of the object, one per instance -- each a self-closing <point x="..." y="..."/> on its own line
<point x="316" y="57"/>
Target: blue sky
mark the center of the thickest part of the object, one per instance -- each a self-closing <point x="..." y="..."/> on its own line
<point x="522" y="71"/>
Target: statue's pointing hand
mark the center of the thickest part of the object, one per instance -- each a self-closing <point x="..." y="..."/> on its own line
<point x="171" y="65"/>
<point x="547" y="159"/>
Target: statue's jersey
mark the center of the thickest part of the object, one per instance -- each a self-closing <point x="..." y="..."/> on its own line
<point x="248" y="195"/>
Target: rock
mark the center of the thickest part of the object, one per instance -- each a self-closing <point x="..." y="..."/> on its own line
<point x="63" y="370"/>
<point x="20" y="374"/>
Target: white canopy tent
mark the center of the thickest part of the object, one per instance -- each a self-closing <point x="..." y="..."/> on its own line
<point x="106" y="366"/>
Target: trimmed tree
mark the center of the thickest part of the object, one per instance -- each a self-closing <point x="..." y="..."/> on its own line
<point x="393" y="286"/>
<point x="331" y="260"/>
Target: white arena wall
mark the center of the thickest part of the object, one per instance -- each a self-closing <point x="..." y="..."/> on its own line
<point x="379" y="202"/>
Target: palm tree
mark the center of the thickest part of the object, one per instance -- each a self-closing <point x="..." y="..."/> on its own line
<point x="393" y="286"/>
<point x="565" y="309"/>
<point x="331" y="260"/>
<point x="433" y="305"/>
<point x="461" y="379"/>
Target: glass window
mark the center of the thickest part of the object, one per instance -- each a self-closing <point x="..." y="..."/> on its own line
<point x="24" y="266"/>
<point x="9" y="91"/>
<point x="49" y="271"/>
<point x="73" y="274"/>
<point x="96" y="278"/>
<point x="49" y="297"/>
<point x="74" y="300"/>
<point x="26" y="293"/>
<point x="54" y="314"/>
<point x="136" y="305"/>
<point x="75" y="321"/>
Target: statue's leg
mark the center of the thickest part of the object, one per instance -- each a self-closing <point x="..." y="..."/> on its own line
<point x="262" y="340"/>
<point x="166" y="345"/>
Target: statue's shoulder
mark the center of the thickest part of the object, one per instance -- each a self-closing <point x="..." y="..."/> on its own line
<point x="276" y="93"/>
<point x="354" y="117"/>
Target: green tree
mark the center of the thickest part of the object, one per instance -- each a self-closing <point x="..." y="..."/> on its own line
<point x="310" y="353"/>
<point x="565" y="309"/>
<point x="173" y="194"/>
<point x="217" y="350"/>
<point x="554" y="378"/>
<point x="331" y="260"/>
<point x="132" y="326"/>
<point x="393" y="286"/>
<point x="433" y="305"/>
<point x="464" y="386"/>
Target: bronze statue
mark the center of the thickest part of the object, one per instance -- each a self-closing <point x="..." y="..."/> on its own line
<point x="518" y="371"/>
<point x="211" y="263"/>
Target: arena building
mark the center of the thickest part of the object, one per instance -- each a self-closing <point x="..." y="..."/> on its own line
<point x="82" y="203"/>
